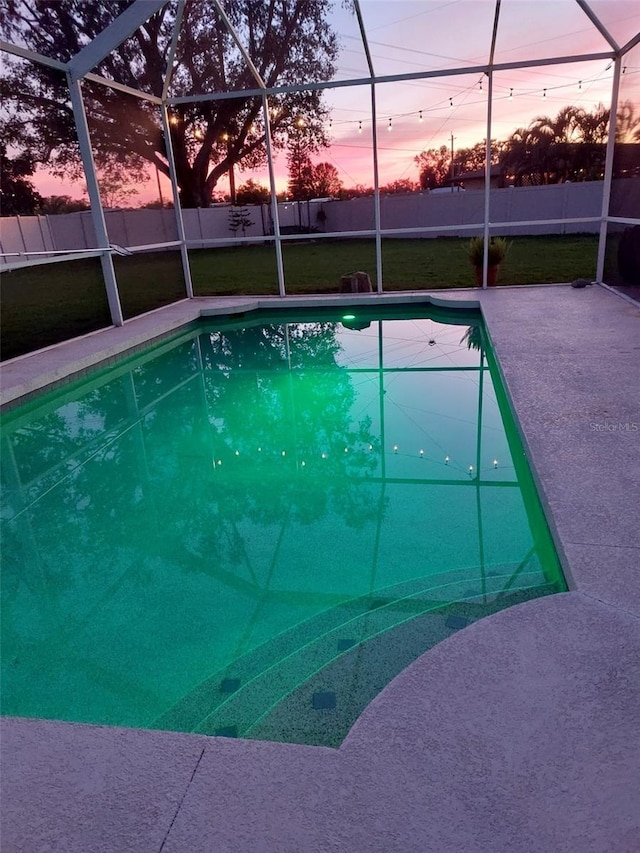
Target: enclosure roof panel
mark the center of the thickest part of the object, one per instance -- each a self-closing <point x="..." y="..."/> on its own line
<point x="620" y="17"/>
<point x="545" y="29"/>
<point x="406" y="36"/>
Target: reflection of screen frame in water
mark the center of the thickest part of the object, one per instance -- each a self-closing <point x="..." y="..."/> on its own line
<point x="455" y="611"/>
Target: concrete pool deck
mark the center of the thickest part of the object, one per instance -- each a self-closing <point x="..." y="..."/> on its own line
<point x="518" y="733"/>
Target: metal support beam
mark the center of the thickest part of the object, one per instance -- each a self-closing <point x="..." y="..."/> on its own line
<point x="274" y="198"/>
<point x="487" y="156"/>
<point x="93" y="190"/>
<point x="396" y="78"/>
<point x="234" y="35"/>
<point x="608" y="169"/>
<point x="376" y="188"/>
<point x="25" y="53"/>
<point x="173" y="47"/>
<point x="112" y="36"/>
<point x="186" y="269"/>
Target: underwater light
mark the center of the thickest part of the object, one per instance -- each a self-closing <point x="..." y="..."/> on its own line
<point x="349" y="321"/>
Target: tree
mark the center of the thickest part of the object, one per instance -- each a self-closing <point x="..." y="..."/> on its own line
<point x="55" y="204"/>
<point x="326" y="181"/>
<point x="473" y="159"/>
<point x="286" y="39"/>
<point x="253" y="193"/>
<point x="402" y="185"/>
<point x="114" y="191"/>
<point x="357" y="191"/>
<point x="239" y="218"/>
<point x="435" y="167"/>
<point x="569" y="147"/>
<point x="300" y="171"/>
<point x="18" y="196"/>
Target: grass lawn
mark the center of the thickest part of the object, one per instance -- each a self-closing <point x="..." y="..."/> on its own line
<point x="46" y="304"/>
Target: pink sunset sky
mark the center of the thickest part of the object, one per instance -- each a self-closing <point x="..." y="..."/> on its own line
<point x="409" y="36"/>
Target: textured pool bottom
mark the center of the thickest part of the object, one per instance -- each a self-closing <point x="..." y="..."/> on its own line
<point x="376" y="641"/>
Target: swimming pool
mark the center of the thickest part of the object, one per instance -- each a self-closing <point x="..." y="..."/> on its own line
<point x="249" y="529"/>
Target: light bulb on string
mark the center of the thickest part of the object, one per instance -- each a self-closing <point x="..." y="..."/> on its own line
<point x="544" y="94"/>
<point x="420" y="113"/>
<point x="579" y="85"/>
<point x="450" y="103"/>
<point x="359" y="127"/>
<point x="480" y="84"/>
<point x="390" y="126"/>
<point x="511" y="92"/>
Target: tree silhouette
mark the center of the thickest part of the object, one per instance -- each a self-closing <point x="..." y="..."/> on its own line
<point x="208" y="137"/>
<point x="570" y="146"/>
<point x="18" y="196"/>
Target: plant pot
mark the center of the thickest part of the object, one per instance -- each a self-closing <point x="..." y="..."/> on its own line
<point x="492" y="275"/>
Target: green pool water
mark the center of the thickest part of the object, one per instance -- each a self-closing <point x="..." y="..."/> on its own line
<point x="251" y="528"/>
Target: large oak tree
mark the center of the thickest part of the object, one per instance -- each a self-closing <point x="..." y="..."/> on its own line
<point x="288" y="40"/>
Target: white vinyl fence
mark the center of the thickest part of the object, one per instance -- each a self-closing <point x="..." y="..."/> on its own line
<point x="22" y="235"/>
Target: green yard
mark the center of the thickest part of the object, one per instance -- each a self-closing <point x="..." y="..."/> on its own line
<point x="46" y="304"/>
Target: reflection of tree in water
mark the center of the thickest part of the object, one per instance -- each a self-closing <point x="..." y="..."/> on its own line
<point x="153" y="492"/>
<point x="274" y="390"/>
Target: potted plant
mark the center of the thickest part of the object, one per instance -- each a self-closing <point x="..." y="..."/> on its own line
<point x="498" y="248"/>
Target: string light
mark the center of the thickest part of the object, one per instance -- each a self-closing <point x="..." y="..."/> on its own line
<point x="422" y="453"/>
<point x="395" y="448"/>
<point x="495" y="463"/>
<point x="470" y="469"/>
<point x="446" y="460"/>
<point x="510" y="95"/>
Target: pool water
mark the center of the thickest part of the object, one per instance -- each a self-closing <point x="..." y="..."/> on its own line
<point x="250" y="529"/>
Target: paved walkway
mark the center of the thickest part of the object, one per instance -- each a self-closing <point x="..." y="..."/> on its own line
<point x="519" y="733"/>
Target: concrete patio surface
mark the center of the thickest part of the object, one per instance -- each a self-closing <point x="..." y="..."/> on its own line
<point x="518" y="733"/>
